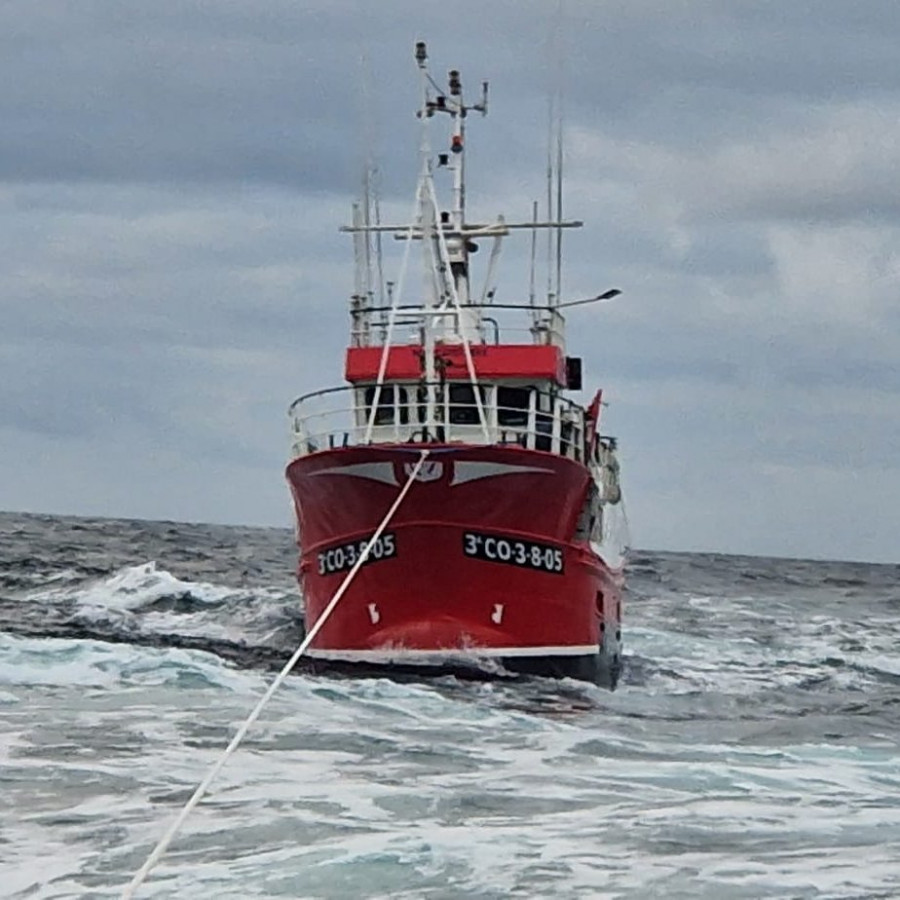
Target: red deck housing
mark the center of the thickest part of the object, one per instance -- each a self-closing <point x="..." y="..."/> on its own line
<point x="533" y="361"/>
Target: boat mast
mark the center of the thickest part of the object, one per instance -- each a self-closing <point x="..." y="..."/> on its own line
<point x="448" y="314"/>
<point x="452" y="224"/>
<point x="457" y="246"/>
<point x="360" y="300"/>
<point x="425" y="219"/>
<point x="445" y="235"/>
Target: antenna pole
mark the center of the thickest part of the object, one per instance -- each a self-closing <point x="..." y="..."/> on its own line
<point x="371" y="199"/>
<point x="559" y="201"/>
<point x="379" y="252"/>
<point x="560" y="89"/>
<point x="550" y="120"/>
<point x="367" y="219"/>
<point x="534" y="218"/>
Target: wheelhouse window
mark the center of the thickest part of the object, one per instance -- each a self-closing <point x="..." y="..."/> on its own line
<point x="391" y="398"/>
<point x="462" y="406"/>
<point x="512" y="406"/>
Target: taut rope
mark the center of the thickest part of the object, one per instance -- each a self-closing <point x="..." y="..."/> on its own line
<point x="160" y="849"/>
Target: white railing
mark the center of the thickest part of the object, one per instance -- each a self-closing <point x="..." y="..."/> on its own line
<point x="523" y="416"/>
<point x="495" y="326"/>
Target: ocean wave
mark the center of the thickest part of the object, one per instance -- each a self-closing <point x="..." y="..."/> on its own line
<point x="145" y="586"/>
<point x="67" y="663"/>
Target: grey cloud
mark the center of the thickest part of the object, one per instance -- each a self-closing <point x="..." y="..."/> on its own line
<point x="239" y="92"/>
<point x="172" y="177"/>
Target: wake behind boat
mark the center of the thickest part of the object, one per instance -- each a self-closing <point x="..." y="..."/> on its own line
<point x="509" y="546"/>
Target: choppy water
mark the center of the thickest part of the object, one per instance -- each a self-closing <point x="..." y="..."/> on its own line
<point x="751" y="752"/>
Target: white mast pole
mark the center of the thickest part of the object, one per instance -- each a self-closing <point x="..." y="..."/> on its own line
<point x="550" y="118"/>
<point x="458" y="146"/>
<point x="535" y="315"/>
<point x="428" y="225"/>
<point x="468" y="322"/>
<point x="360" y="300"/>
<point x="560" y="110"/>
<point x="467" y="349"/>
<point x="559" y="202"/>
<point x="359" y="266"/>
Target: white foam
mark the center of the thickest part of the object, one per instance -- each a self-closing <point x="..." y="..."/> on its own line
<point x="126" y="599"/>
<point x="97" y="664"/>
<point x="890" y="665"/>
<point x="138" y="586"/>
<point x="442" y="789"/>
<point x="375" y="788"/>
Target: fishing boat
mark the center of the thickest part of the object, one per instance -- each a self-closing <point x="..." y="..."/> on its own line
<point x="507" y="552"/>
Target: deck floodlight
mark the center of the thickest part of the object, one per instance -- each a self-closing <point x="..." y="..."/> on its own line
<point x="606" y="295"/>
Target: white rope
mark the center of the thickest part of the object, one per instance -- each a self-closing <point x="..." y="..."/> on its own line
<point x="414" y="219"/>
<point x="454" y="295"/>
<point x="197" y="796"/>
<point x="392" y="318"/>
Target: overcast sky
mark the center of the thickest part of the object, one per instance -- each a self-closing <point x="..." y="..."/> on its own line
<point x="173" y="176"/>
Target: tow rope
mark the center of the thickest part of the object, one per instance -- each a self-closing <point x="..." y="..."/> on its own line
<point x="160" y="849"/>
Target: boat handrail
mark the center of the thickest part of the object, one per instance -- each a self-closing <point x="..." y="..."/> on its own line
<point x="304" y="397"/>
<point x="549" y="329"/>
<point x="337" y="417"/>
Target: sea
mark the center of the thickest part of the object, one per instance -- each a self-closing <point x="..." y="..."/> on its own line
<point x="751" y="750"/>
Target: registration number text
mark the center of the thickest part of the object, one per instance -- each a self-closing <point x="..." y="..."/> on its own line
<point x="513" y="552"/>
<point x="344" y="556"/>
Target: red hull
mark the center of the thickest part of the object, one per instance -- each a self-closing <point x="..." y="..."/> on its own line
<point x="479" y="562"/>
